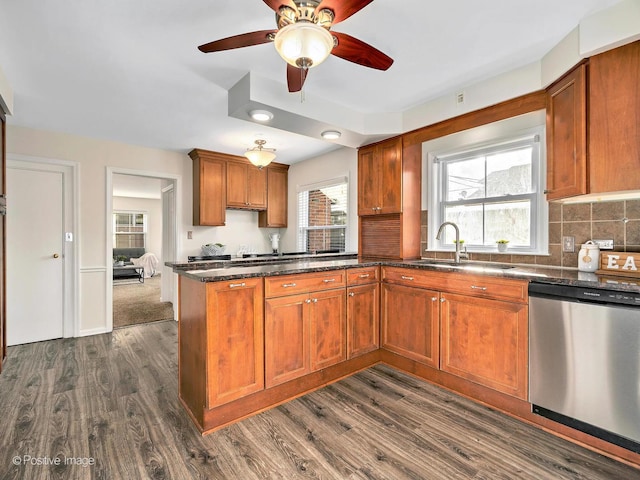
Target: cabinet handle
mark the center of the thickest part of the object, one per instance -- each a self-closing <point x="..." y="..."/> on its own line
<point x="545" y="191"/>
<point x="287" y="285"/>
<point x="315" y="300"/>
<point x="475" y="287"/>
<point x="434" y="299"/>
<point x="236" y="285"/>
<point x="442" y="300"/>
<point x="404" y="277"/>
<point x="307" y="301"/>
<point x="374" y="208"/>
<point x="364" y="275"/>
<point x="329" y="280"/>
<point x="351" y="294"/>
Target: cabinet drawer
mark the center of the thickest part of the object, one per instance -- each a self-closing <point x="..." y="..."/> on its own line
<point x="304" y="282"/>
<point x="489" y="287"/>
<point x="360" y="276"/>
<point x="412" y="278"/>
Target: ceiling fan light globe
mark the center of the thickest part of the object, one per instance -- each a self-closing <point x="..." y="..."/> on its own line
<point x="304" y="44"/>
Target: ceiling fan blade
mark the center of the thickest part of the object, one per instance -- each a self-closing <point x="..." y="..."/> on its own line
<point x="342" y="9"/>
<point x="237" y="41"/>
<point x="356" y="51"/>
<point x="276" y="4"/>
<point x="296" y="77"/>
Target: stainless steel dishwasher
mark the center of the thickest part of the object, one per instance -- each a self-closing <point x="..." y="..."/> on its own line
<point x="584" y="360"/>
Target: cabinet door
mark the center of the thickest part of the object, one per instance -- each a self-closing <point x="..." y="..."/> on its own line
<point x="276" y="214"/>
<point x="567" y="136"/>
<point x="614" y="119"/>
<point x="389" y="167"/>
<point x="246" y="186"/>
<point x="327" y="328"/>
<point x="368" y="182"/>
<point x="256" y="187"/>
<point x="235" y="358"/>
<point x="363" y="319"/>
<point x="286" y="338"/>
<point x="236" y="185"/>
<point x="410" y="323"/>
<point x="485" y="341"/>
<point x="209" y="192"/>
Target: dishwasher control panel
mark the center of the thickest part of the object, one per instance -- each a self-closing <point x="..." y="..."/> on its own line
<point x="572" y="293"/>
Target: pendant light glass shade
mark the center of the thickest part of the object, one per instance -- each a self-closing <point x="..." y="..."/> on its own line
<point x="304" y="44"/>
<point x="260" y="156"/>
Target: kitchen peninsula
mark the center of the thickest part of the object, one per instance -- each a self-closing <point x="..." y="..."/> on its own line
<point x="255" y="335"/>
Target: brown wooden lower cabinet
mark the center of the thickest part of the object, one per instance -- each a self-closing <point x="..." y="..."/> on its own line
<point x="363" y="319"/>
<point x="410" y="322"/>
<point x="235" y="338"/>
<point x="286" y="328"/>
<point x="485" y="341"/>
<point x="303" y="333"/>
<point x="467" y="333"/>
<point x="220" y="341"/>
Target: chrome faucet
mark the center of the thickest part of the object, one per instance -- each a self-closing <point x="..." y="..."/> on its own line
<point x="459" y="254"/>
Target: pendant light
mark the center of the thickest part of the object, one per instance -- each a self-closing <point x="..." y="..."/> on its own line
<point x="260" y="156"/>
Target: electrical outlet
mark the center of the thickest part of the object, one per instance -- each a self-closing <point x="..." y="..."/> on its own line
<point x="604" y="244"/>
<point x="460" y="98"/>
<point x="568" y="244"/>
<point x="189" y="235"/>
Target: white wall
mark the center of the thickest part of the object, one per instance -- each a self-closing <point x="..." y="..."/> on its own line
<point x="342" y="162"/>
<point x="153" y="209"/>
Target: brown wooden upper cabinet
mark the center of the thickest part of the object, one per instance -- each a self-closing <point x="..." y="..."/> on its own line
<point x="246" y="186"/>
<point x="614" y="120"/>
<point x="275" y="216"/>
<point x="593" y="127"/>
<point x="209" y="188"/>
<point x="567" y="135"/>
<point x="222" y="181"/>
<point x="380" y="178"/>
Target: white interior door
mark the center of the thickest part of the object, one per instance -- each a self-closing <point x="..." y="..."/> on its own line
<point x="168" y="243"/>
<point x="35" y="255"/>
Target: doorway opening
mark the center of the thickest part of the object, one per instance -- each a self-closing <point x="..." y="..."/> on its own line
<point x="141" y="230"/>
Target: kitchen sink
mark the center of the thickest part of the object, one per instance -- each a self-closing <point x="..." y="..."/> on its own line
<point x="467" y="265"/>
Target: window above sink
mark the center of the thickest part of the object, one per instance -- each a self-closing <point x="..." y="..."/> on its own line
<point x="490" y="182"/>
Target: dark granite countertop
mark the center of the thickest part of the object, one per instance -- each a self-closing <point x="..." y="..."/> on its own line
<point x="216" y="271"/>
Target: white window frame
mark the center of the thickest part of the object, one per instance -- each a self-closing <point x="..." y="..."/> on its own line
<point x="303" y="218"/>
<point x="145" y="219"/>
<point x="496" y="139"/>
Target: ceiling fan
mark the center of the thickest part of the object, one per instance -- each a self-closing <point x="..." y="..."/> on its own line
<point x="304" y="38"/>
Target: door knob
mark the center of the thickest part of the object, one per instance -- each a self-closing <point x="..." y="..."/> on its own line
<point x="55" y="255"/>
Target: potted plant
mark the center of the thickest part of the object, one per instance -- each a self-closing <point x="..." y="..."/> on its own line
<point x="502" y="245"/>
<point x="120" y="259"/>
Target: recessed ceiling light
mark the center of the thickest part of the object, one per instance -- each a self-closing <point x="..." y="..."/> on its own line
<point x="331" y="134"/>
<point x="261" y="115"/>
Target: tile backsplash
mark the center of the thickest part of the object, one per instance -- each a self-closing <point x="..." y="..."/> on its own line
<point x="617" y="220"/>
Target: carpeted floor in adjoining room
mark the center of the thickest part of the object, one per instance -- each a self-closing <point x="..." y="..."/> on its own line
<point x="135" y="302"/>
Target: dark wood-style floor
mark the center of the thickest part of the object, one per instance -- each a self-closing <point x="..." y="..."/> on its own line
<point x="112" y="400"/>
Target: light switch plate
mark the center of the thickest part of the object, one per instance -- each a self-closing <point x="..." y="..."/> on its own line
<point x="568" y="244"/>
<point x="604" y="244"/>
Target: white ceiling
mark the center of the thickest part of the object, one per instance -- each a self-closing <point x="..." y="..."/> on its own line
<point x="130" y="71"/>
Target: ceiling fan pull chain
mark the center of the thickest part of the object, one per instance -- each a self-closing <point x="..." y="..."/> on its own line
<point x="302" y="77"/>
